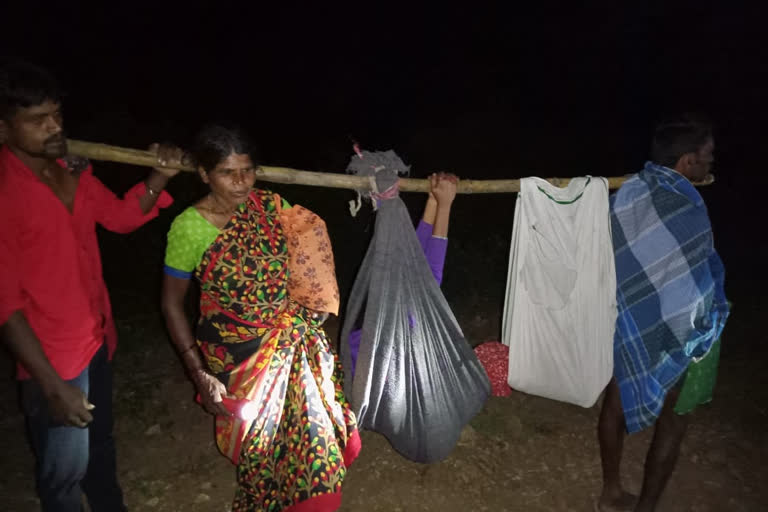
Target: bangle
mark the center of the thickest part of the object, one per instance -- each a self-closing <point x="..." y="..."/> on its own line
<point x="150" y="190"/>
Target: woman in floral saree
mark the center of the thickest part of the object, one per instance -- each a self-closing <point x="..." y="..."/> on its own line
<point x="267" y="283"/>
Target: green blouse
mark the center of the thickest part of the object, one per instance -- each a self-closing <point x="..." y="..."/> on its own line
<point x="189" y="237"/>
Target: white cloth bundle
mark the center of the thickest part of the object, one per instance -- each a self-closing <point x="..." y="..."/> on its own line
<point x="560" y="308"/>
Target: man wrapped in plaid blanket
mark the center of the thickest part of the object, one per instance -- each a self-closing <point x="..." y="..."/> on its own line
<point x="671" y="304"/>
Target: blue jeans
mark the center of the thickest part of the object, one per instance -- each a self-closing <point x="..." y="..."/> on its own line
<point x="71" y="460"/>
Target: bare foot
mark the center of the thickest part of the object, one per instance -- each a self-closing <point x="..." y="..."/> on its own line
<point x="623" y="502"/>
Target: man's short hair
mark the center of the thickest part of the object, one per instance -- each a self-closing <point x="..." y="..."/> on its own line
<point x="24" y="85"/>
<point x="677" y="136"/>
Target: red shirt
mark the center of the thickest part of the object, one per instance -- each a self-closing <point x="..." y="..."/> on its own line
<point x="50" y="266"/>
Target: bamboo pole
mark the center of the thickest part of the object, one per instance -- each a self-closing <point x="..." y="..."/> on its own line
<point x="94" y="151"/>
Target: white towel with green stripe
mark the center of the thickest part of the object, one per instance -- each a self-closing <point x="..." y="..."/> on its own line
<point x="560" y="307"/>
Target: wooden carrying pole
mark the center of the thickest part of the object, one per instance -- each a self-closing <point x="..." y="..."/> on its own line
<point x="94" y="151"/>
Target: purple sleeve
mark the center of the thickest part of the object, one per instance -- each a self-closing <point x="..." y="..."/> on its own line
<point x="354" y="348"/>
<point x="435" y="253"/>
<point x="434" y="249"/>
<point x="423" y="233"/>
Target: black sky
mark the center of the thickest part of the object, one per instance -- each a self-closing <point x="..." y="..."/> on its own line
<point x="509" y="82"/>
<point x="486" y="90"/>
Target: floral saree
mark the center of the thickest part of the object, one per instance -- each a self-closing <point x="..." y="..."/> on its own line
<point x="258" y="335"/>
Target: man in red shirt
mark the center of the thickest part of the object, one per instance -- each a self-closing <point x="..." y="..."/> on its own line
<point x="55" y="315"/>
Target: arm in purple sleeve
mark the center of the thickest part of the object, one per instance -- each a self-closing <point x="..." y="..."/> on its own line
<point x="434" y="249"/>
<point x="435" y="253"/>
<point x="423" y="233"/>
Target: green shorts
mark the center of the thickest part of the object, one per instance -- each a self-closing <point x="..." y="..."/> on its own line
<point x="699" y="381"/>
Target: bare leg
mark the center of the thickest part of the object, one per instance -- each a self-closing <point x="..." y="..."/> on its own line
<point x="663" y="453"/>
<point x="610" y="432"/>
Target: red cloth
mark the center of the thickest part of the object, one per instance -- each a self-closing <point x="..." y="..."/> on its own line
<point x="494" y="357"/>
<point x="50" y="266"/>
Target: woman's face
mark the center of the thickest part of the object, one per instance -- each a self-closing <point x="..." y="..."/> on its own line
<point x="232" y="179"/>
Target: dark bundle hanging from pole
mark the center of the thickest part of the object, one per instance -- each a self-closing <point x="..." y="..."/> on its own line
<point x="416" y="379"/>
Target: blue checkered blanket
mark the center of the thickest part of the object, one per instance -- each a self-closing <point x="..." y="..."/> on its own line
<point x="670" y="294"/>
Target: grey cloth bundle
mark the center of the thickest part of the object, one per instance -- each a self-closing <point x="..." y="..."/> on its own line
<point x="417" y="380"/>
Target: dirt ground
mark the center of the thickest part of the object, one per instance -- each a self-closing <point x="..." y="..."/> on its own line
<point x="521" y="453"/>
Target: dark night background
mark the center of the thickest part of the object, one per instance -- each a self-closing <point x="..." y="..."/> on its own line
<point x="551" y="89"/>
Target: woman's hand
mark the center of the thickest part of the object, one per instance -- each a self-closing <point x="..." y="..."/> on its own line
<point x="442" y="187"/>
<point x="172" y="158"/>
<point x="211" y="392"/>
